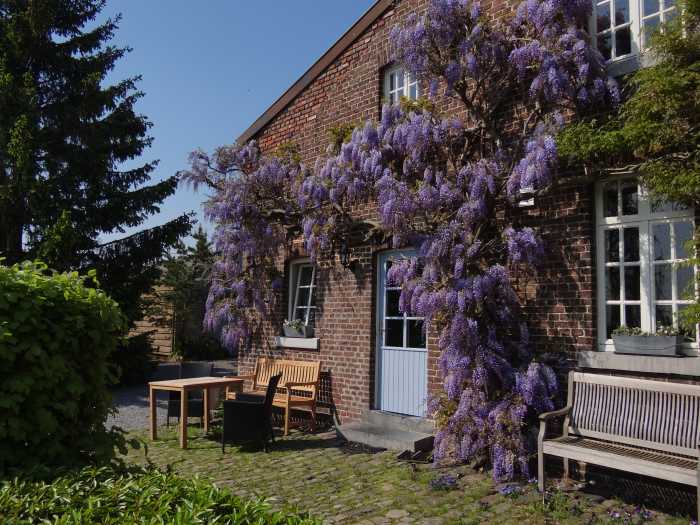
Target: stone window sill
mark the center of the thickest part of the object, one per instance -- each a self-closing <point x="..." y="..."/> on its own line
<point x="682" y="366"/>
<point x="306" y="343"/>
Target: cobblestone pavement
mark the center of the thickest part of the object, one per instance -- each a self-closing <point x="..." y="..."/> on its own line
<point x="340" y="484"/>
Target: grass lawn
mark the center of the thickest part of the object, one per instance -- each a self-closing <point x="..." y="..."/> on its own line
<point x="317" y="474"/>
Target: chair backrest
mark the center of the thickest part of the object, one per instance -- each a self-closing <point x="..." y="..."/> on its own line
<point x="639" y="412"/>
<point x="291" y="371"/>
<point x="270" y="394"/>
<point x="195" y="369"/>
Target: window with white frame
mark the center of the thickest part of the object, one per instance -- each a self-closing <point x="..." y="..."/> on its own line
<point x="302" y="300"/>
<point x="398" y="82"/>
<point x="642" y="281"/>
<point x="621" y="28"/>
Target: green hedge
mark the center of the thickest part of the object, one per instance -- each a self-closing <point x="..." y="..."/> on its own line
<point x="57" y="332"/>
<point x="108" y="496"/>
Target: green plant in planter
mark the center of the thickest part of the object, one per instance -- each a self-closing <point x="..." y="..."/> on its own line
<point x="294" y="324"/>
<point x="664" y="331"/>
<point x="665" y="341"/>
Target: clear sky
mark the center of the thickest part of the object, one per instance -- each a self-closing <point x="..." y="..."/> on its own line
<point x="211" y="67"/>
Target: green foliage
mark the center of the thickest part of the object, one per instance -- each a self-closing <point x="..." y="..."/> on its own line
<point x="57" y="332"/>
<point x="108" y="497"/>
<point x="340" y="134"/>
<point x="181" y="299"/>
<point x="65" y="135"/>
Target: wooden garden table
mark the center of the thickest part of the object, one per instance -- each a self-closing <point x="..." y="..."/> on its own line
<point x="184" y="386"/>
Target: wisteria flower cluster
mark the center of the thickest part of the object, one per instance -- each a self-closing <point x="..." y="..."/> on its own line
<point x="447" y="186"/>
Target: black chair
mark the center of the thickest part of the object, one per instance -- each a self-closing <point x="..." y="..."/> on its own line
<point x="195" y="398"/>
<point x="250" y="419"/>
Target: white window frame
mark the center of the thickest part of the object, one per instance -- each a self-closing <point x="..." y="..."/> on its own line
<point x="393" y="93"/>
<point x="626" y="63"/>
<point x="644" y="220"/>
<point x="295" y="268"/>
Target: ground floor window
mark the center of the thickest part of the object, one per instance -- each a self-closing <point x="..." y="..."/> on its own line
<point x="302" y="297"/>
<point x="642" y="279"/>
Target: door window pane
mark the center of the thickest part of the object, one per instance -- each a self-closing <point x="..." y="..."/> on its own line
<point x="416" y="337"/>
<point x="631" y="244"/>
<point x="392" y="303"/>
<point x="610" y="199"/>
<point x="662" y="242"/>
<point x="684" y="282"/>
<point x="393" y="334"/>
<point x="612" y="245"/>
<point x="612" y="283"/>
<point x="630" y="199"/>
<point x="632" y="283"/>
<point x="662" y="282"/>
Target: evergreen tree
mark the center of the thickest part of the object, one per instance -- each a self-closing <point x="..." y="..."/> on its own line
<point x="64" y="134"/>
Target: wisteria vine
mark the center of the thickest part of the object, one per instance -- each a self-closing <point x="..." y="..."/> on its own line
<point x="447" y="186"/>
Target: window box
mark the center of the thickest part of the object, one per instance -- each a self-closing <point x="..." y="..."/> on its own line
<point x="664" y="345"/>
<point x="304" y="331"/>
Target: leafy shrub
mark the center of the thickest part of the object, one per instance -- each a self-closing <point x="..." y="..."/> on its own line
<point x="108" y="496"/>
<point x="57" y="332"/>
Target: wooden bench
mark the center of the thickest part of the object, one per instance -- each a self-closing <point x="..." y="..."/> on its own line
<point x="298" y="389"/>
<point x="636" y="425"/>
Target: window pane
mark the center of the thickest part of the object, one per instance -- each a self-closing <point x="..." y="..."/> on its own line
<point x="400" y="79"/>
<point x="650" y="6"/>
<point x="603" y="17"/>
<point x="610" y="198"/>
<point x="664" y="315"/>
<point x="683" y="232"/>
<point x="416" y="337"/>
<point x="622" y="12"/>
<point x="300" y="314"/>
<point x="662" y="242"/>
<point x="392" y="303"/>
<point x="306" y="274"/>
<point x="633" y="315"/>
<point x="312" y="317"/>
<point x="632" y="283"/>
<point x="612" y="319"/>
<point x="650" y="26"/>
<point x="659" y="205"/>
<point x="605" y="48"/>
<point x="392" y="98"/>
<point x="623" y="42"/>
<point x="662" y="282"/>
<point x="392" y="81"/>
<point x="612" y="284"/>
<point x="612" y="245"/>
<point x="629" y="199"/>
<point x="303" y="296"/>
<point x="684" y="282"/>
<point x="393" y="336"/>
<point x="631" y="244"/>
<point x="689" y="333"/>
<point x="413" y="92"/>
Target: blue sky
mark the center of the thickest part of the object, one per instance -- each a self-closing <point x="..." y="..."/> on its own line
<point x="210" y="68"/>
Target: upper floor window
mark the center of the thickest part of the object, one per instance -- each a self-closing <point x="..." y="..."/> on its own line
<point x="400" y="83"/>
<point x="302" y="300"/>
<point x="622" y="28"/>
<point x="642" y="281"/>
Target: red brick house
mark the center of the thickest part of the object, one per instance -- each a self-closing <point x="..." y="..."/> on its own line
<point x="610" y="258"/>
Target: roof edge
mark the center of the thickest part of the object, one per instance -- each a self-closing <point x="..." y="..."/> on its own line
<point x="359" y="27"/>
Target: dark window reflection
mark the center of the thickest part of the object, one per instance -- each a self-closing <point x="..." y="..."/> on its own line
<point x="605" y="48"/>
<point x="623" y="42"/>
<point x="610" y="198"/>
<point x="392" y="303"/>
<point x="603" y="17"/>
<point x="393" y="335"/>
<point x="632" y="283"/>
<point x="630" y="199"/>
<point x="612" y="245"/>
<point x="662" y="282"/>
<point x="664" y="315"/>
<point x="612" y="284"/>
<point x="416" y="336"/>
<point x="612" y="319"/>
<point x="683" y="232"/>
<point x="662" y="242"/>
<point x="631" y="243"/>
<point x="622" y="12"/>
<point x="633" y="315"/>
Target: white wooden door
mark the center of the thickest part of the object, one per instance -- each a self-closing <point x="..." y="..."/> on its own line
<point x="402" y="356"/>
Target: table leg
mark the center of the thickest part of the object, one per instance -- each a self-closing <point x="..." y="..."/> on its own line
<point x="154" y="422"/>
<point x="206" y="410"/>
<point x="184" y="405"/>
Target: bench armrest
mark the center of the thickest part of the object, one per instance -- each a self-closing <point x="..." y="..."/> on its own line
<point x="546" y="416"/>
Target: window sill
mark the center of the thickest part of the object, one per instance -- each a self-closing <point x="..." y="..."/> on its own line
<point x="307" y="343"/>
<point x="682" y="366"/>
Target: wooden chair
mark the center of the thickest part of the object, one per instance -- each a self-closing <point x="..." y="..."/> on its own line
<point x="636" y="425"/>
<point x="250" y="420"/>
<point x="298" y="387"/>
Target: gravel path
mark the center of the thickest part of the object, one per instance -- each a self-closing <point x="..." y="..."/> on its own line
<point x="132" y="402"/>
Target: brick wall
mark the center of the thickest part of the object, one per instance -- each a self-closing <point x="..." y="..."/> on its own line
<point x="559" y="300"/>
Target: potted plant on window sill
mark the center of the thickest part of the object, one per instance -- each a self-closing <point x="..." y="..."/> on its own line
<point x="296" y="328"/>
<point x="666" y="341"/>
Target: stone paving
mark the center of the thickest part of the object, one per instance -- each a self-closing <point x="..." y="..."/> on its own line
<point x="338" y="483"/>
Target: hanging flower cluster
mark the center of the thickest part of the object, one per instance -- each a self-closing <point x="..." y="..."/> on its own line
<point x="447" y="186"/>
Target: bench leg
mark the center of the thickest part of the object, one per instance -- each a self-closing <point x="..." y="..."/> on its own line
<point x="540" y="471"/>
<point x="313" y="419"/>
<point x="286" y="421"/>
<point x="566" y="469"/>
